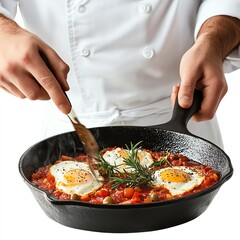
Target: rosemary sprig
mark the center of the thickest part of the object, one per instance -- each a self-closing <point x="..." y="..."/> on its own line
<point x="134" y="174"/>
<point x="105" y="167"/>
<point x="137" y="176"/>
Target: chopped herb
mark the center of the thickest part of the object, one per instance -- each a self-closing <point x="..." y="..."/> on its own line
<point x="162" y="160"/>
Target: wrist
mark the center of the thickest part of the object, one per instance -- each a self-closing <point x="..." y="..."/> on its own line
<point x="211" y="45"/>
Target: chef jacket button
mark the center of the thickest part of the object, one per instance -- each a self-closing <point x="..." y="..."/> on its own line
<point x="85" y="52"/>
<point x="81" y="8"/>
<point x="148" y="52"/>
<point x="145" y="7"/>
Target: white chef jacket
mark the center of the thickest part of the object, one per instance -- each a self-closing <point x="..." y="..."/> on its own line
<point x="124" y="55"/>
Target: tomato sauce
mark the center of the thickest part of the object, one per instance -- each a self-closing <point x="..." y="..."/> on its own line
<point x="124" y="194"/>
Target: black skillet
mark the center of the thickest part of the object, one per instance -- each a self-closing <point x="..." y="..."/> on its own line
<point x="172" y="136"/>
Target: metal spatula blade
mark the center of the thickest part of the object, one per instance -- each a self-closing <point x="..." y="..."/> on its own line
<point x="89" y="143"/>
<point x="87" y="139"/>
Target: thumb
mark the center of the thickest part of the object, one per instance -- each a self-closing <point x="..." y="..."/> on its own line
<point x="186" y="91"/>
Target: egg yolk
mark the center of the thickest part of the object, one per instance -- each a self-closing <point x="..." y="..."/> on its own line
<point x="175" y="175"/>
<point x="140" y="156"/>
<point x="76" y="177"/>
<point x="123" y="153"/>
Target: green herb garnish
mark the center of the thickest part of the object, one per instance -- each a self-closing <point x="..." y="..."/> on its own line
<point x="134" y="174"/>
<point x="105" y="167"/>
<point x="162" y="160"/>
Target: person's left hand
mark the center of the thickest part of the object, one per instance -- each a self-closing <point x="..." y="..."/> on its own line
<point x="201" y="67"/>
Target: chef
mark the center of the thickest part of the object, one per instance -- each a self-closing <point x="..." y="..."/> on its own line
<point x="120" y="61"/>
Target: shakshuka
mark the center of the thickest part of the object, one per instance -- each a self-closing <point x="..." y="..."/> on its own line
<point x="129" y="175"/>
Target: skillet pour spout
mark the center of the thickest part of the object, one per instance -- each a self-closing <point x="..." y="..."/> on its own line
<point x="172" y="136"/>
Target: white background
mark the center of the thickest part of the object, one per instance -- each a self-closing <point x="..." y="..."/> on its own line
<point x="21" y="216"/>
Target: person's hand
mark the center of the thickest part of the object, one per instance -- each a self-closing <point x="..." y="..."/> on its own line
<point x="29" y="68"/>
<point x="201" y="67"/>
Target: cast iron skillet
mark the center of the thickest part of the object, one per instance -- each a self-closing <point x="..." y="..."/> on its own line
<point x="172" y="136"/>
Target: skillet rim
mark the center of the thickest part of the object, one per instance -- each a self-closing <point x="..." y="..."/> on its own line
<point x="52" y="200"/>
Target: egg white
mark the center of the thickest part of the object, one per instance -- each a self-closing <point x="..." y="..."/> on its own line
<point x="175" y="188"/>
<point x="116" y="158"/>
<point x="75" y="178"/>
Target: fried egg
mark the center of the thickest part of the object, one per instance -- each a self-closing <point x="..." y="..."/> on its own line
<point x="75" y="178"/>
<point x="177" y="179"/>
<point x="116" y="157"/>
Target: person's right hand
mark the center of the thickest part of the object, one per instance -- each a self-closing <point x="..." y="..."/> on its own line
<point x="29" y="68"/>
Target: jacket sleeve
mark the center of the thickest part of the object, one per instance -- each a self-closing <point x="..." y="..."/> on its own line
<point x="210" y="8"/>
<point x="8" y="8"/>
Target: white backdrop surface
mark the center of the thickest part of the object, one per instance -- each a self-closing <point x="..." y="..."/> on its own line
<point x="21" y="216"/>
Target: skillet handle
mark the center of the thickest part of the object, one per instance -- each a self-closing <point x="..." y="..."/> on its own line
<point x="181" y="116"/>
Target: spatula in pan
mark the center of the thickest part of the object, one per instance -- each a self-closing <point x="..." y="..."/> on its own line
<point x="89" y="143"/>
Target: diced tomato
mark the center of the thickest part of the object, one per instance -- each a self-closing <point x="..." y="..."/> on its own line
<point x="128" y="192"/>
<point x="85" y="198"/>
<point x="136" y="195"/>
<point x="102" y="193"/>
<point x="136" y="198"/>
<point x="50" y="177"/>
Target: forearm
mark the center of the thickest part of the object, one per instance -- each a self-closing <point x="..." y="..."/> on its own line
<point x="7" y="25"/>
<point x="221" y="33"/>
